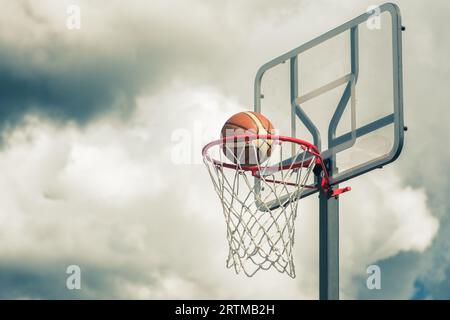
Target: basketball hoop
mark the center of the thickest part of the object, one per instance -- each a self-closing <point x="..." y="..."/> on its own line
<point x="259" y="199"/>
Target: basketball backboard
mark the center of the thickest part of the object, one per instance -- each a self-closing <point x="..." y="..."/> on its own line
<point x="343" y="92"/>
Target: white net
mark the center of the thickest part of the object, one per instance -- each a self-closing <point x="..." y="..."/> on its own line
<point x="260" y="201"/>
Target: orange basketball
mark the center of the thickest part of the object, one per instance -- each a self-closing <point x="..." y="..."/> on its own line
<point x="247" y="152"/>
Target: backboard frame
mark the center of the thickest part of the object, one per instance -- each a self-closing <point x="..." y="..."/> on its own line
<point x="337" y="144"/>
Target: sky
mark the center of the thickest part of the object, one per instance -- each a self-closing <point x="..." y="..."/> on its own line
<point x="101" y="129"/>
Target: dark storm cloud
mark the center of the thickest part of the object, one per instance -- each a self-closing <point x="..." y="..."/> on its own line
<point x="398" y="277"/>
<point x="79" y="75"/>
<point x="48" y="281"/>
<point x="19" y="281"/>
<point x="438" y="289"/>
<point x="119" y="52"/>
<point x="78" y="88"/>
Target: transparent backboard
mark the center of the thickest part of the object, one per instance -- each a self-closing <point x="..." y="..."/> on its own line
<point x="343" y="92"/>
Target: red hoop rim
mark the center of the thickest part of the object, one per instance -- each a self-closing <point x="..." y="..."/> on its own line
<point x="324" y="183"/>
<point x="312" y="149"/>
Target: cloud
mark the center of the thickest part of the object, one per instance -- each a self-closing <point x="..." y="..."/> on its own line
<point x="107" y="195"/>
<point x="66" y="75"/>
<point x="49" y="71"/>
<point x="123" y="50"/>
<point x="425" y="109"/>
<point x="102" y="198"/>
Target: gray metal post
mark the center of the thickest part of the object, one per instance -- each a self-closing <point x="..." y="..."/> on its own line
<point x="328" y="247"/>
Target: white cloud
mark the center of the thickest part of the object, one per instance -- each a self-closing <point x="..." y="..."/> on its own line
<point x="108" y="195"/>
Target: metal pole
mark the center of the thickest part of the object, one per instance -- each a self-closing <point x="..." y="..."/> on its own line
<point x="328" y="247"/>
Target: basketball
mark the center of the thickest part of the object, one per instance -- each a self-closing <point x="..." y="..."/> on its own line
<point x="247" y="152"/>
